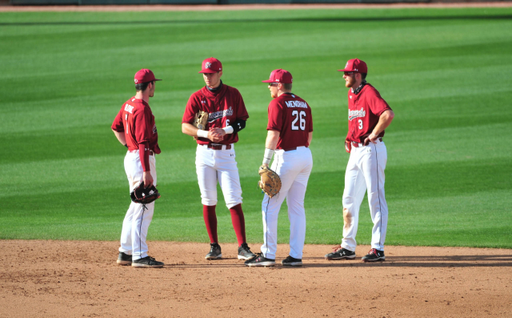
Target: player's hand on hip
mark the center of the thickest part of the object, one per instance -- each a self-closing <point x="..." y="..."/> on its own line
<point x="147" y="179"/>
<point x="371" y="138"/>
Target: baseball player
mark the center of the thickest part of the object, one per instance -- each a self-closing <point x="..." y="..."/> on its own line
<point x="134" y="127"/>
<point x="289" y="133"/>
<point x="368" y="116"/>
<point x="215" y="154"/>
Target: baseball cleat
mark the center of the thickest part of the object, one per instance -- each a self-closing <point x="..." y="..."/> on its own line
<point x="147" y="262"/>
<point x="260" y="261"/>
<point x="374" y="255"/>
<point x="291" y="261"/>
<point x="244" y="252"/>
<point x="215" y="252"/>
<point x="124" y="259"/>
<point x="340" y="253"/>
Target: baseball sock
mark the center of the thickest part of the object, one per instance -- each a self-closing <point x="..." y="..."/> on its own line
<point x="210" y="220"/>
<point x="238" y="220"/>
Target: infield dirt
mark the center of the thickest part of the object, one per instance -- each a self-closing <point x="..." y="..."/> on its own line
<point x="82" y="279"/>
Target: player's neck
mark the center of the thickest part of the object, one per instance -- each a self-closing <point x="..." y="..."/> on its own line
<point x="279" y="93"/>
<point x="144" y="95"/>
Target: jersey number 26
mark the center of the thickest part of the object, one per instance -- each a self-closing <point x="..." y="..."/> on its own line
<point x="300" y="118"/>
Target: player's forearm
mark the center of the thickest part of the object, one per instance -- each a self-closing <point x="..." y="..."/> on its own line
<point x="270" y="146"/>
<point x="189" y="129"/>
<point x="310" y="137"/>
<point x="385" y="120"/>
<point x="272" y="139"/>
<point x="120" y="137"/>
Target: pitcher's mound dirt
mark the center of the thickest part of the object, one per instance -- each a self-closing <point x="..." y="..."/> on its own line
<point x="82" y="279"/>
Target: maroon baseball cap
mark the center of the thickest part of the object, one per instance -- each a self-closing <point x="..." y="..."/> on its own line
<point x="355" y="65"/>
<point x="211" y="65"/>
<point x="280" y="76"/>
<point x="144" y="76"/>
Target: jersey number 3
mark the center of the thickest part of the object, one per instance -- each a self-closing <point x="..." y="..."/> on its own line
<point x="300" y="119"/>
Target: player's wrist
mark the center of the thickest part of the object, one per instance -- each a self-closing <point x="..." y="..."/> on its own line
<point x="202" y="133"/>
<point x="228" y="129"/>
<point x="267" y="157"/>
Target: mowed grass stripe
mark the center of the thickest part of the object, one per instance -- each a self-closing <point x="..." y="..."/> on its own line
<point x="444" y="72"/>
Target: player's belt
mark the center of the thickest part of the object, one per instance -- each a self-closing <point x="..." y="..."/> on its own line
<point x="219" y="146"/>
<point x="358" y="144"/>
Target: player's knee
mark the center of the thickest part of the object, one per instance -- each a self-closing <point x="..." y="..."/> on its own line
<point x="208" y="202"/>
<point x="347" y="218"/>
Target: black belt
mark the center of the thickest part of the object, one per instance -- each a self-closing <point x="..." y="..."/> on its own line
<point x="292" y="149"/>
<point x="358" y="144"/>
<point x="218" y="146"/>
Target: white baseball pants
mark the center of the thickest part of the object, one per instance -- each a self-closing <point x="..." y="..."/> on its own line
<point x="218" y="165"/>
<point x="137" y="219"/>
<point x="294" y="168"/>
<point x="365" y="171"/>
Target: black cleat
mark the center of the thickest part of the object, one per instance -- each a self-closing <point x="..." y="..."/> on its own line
<point x="147" y="262"/>
<point x="260" y="260"/>
<point x="340" y="253"/>
<point x="244" y="252"/>
<point x="374" y="255"/>
<point x="124" y="259"/>
<point x="291" y="261"/>
<point x="215" y="252"/>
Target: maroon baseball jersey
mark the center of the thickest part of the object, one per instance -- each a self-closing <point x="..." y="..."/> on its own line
<point x="291" y="116"/>
<point x="364" y="110"/>
<point x="136" y="120"/>
<point x="224" y="107"/>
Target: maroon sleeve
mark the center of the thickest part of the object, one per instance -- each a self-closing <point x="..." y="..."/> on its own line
<point x="377" y="104"/>
<point x="310" y="119"/>
<point x="143" y="132"/>
<point x="275" y="119"/>
<point x="117" y="125"/>
<point x="191" y="109"/>
<point x="144" y="157"/>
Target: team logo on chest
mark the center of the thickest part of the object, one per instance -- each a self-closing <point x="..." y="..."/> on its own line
<point x="221" y="113"/>
<point x="353" y="114"/>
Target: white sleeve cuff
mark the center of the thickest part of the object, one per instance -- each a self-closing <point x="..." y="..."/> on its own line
<point x="202" y="133"/>
<point x="267" y="157"/>
<point x="228" y="129"/>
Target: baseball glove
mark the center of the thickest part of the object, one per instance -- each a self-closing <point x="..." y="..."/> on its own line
<point x="144" y="195"/>
<point x="201" y="119"/>
<point x="270" y="182"/>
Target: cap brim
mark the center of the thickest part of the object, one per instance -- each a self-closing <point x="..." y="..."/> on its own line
<point x="207" y="71"/>
<point x="345" y="70"/>
<point x="157" y="79"/>
<point x="267" y="81"/>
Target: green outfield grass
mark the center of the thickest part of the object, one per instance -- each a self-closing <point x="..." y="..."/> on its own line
<point x="447" y="74"/>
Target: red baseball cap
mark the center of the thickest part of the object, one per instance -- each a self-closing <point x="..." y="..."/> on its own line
<point x="355" y="65"/>
<point x="144" y="76"/>
<point x="211" y="65"/>
<point x="280" y="76"/>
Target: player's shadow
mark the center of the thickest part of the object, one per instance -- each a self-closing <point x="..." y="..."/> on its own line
<point x="420" y="261"/>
